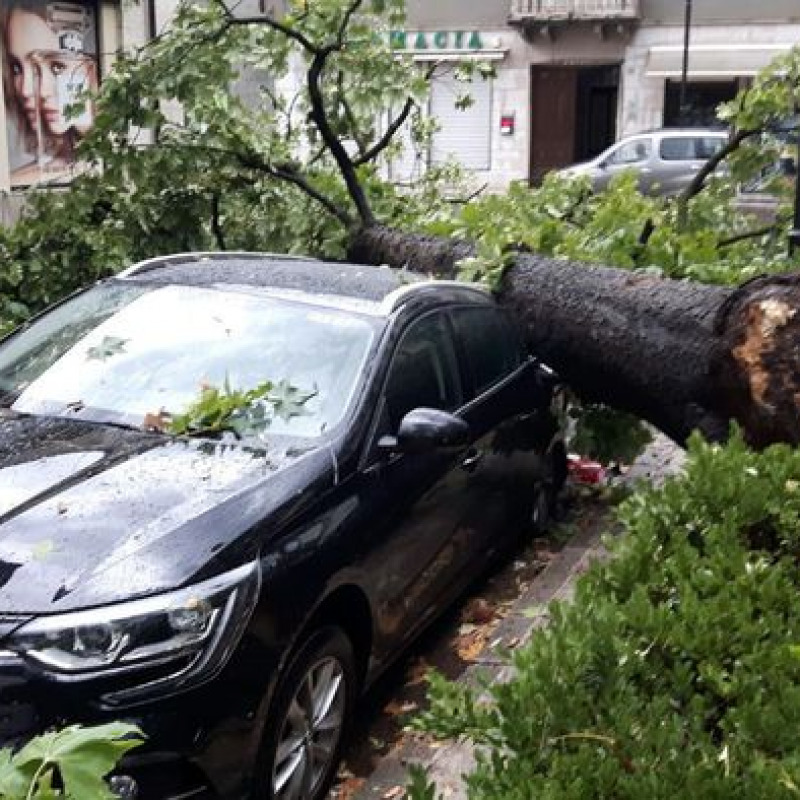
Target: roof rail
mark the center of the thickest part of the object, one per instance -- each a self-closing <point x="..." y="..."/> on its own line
<point x="151" y="264"/>
<point x="396" y="298"/>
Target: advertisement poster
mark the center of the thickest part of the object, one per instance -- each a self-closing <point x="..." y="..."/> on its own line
<point x="49" y="61"/>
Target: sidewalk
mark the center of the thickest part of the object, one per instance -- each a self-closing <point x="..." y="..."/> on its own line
<point x="447" y="762"/>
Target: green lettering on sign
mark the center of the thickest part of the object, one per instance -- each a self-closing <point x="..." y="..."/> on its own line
<point x="398" y="40"/>
<point x="440" y="39"/>
<point x="421" y="43"/>
<point x="459" y="39"/>
<point x="475" y="42"/>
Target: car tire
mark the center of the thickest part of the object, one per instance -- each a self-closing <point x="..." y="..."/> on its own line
<point x="308" y="719"/>
<point x="542" y="505"/>
<point x="539" y="510"/>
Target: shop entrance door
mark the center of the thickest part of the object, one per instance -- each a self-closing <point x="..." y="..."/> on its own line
<point x="573" y="114"/>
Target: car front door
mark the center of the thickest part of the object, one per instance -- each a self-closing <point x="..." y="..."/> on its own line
<point x="634" y="154"/>
<point x="414" y="505"/>
<point x="509" y="414"/>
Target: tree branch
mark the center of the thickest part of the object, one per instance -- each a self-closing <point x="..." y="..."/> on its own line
<point x="699" y="180"/>
<point x="371" y="153"/>
<point x="290" y="174"/>
<point x="320" y="117"/>
<point x="394" y="126"/>
<point x="741" y="237"/>
<point x="318" y="112"/>
<point x="285" y="172"/>
<point x="350" y="117"/>
<point x="462" y="201"/>
<point x="348" y="15"/>
<point x="273" y="23"/>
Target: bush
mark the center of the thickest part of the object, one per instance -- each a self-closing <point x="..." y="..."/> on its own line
<point x="675" y="672"/>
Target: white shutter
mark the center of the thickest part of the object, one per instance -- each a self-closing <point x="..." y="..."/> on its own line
<point x="409" y="164"/>
<point x="464" y="135"/>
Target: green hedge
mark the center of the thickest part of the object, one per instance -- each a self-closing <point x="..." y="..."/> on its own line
<point x="675" y="673"/>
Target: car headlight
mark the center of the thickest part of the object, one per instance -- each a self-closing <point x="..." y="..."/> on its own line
<point x="192" y="629"/>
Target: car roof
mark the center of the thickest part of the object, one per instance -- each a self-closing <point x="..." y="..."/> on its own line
<point x="377" y="291"/>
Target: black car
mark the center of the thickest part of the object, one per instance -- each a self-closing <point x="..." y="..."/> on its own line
<point x="233" y="590"/>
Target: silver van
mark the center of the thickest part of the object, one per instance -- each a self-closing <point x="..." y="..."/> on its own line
<point x="665" y="161"/>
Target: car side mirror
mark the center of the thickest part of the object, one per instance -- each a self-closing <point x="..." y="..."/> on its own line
<point x="424" y="430"/>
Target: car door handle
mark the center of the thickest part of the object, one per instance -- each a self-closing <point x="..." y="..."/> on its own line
<point x="471" y="460"/>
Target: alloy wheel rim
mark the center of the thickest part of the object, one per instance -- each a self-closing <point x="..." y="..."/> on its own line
<point x="539" y="510"/>
<point x="310" y="731"/>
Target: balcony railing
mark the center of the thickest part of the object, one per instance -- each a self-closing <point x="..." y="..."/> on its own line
<point x="564" y="10"/>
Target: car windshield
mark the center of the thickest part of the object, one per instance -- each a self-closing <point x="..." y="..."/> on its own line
<point x="120" y="352"/>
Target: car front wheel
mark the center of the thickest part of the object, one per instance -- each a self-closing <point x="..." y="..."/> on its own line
<point x="308" y="719"/>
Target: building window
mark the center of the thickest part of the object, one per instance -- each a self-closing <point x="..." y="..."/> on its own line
<point x="702" y="100"/>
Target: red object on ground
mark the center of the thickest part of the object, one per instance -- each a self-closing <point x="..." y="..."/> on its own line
<point x="584" y="470"/>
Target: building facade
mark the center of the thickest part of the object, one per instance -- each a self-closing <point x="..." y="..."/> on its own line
<point x="572" y="76"/>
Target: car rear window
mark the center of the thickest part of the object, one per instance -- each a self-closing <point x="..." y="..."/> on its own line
<point x="690" y="148"/>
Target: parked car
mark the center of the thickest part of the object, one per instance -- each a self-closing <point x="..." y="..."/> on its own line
<point x="233" y="593"/>
<point x="664" y="161"/>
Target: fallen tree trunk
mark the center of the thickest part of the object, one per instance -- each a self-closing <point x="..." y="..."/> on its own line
<point x="681" y="355"/>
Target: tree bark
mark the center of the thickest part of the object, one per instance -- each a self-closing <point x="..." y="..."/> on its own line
<point x="680" y="355"/>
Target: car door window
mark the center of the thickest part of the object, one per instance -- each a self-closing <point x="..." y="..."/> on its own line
<point x="679" y="148"/>
<point x="631" y="152"/>
<point x="423" y="371"/>
<point x="489" y="344"/>
<point x="708" y="146"/>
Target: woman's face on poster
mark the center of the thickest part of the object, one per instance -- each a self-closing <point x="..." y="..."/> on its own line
<point x="41" y="69"/>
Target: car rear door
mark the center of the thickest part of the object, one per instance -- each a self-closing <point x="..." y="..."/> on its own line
<point x="681" y="157"/>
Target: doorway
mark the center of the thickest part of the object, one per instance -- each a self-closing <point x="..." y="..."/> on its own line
<point x="573" y="114"/>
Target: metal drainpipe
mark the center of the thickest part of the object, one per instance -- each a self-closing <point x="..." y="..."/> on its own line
<point x="152" y="32"/>
<point x="687" y="26"/>
<point x="794" y="233"/>
<point x="151" y="19"/>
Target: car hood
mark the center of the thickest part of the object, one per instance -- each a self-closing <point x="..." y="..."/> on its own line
<point x="92" y="514"/>
<point x="584" y="168"/>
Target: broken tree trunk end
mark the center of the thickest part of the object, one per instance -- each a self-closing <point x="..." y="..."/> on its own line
<point x="680" y="355"/>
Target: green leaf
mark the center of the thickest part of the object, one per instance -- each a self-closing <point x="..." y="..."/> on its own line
<point x="82" y="755"/>
<point x="109" y="346"/>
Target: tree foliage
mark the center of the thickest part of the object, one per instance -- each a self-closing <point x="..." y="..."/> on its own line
<point x="180" y="160"/>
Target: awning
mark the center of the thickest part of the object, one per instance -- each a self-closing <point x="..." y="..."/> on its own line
<point x="713" y="61"/>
